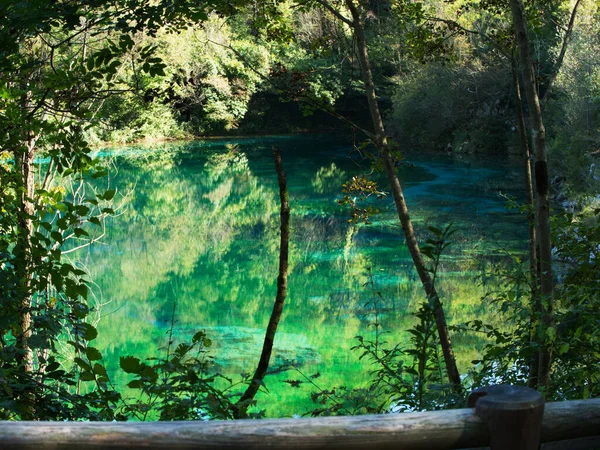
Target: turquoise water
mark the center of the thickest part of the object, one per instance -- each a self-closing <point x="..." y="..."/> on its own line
<point x="197" y="229"/>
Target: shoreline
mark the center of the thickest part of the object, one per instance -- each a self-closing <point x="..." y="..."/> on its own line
<point x="109" y="144"/>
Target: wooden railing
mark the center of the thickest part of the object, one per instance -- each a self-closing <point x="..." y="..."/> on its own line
<point x="449" y="429"/>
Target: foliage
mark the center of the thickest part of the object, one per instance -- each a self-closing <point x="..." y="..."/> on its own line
<point x="575" y="112"/>
<point x="403" y="379"/>
<point x="574" y="335"/>
<point x="577" y="337"/>
<point x="211" y="74"/>
<point x="60" y="312"/>
<point x="53" y="79"/>
<point x="177" y="386"/>
<point x="357" y="191"/>
<point x="470" y="102"/>
<point x="64" y="386"/>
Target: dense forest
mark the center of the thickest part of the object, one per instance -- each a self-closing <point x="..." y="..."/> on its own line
<point x="468" y="77"/>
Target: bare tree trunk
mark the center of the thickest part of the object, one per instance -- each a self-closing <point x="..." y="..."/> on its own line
<point x="542" y="185"/>
<point x="526" y="154"/>
<point x="24" y="161"/>
<point x="403" y="215"/>
<point x="533" y="245"/>
<point x="246" y="399"/>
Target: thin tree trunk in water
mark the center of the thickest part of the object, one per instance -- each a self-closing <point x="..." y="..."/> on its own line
<point x="246" y="399"/>
<point x="407" y="228"/>
<point x="542" y="186"/>
<point x="533" y="245"/>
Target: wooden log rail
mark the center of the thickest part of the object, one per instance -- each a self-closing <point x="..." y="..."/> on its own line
<point x="449" y="429"/>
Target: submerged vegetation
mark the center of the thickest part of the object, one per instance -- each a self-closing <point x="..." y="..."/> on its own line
<point x="392" y="78"/>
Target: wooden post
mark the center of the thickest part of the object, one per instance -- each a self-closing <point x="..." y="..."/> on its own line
<point x="513" y="415"/>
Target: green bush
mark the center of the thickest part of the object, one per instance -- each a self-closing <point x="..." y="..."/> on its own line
<point x="461" y="109"/>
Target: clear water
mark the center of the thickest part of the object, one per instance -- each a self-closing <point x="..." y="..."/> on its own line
<point x="198" y="229"/>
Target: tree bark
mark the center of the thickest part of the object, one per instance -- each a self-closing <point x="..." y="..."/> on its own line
<point x="526" y="154"/>
<point x="399" y="200"/>
<point x="542" y="186"/>
<point x="246" y="399"/>
<point x="24" y="161"/>
<point x="533" y="245"/>
<point x="24" y="165"/>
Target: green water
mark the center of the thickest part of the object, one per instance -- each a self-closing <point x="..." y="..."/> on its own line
<point x="198" y="227"/>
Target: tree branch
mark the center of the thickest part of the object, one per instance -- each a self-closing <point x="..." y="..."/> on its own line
<point x="325" y="4"/>
<point x="454" y="24"/>
<point x="563" y="51"/>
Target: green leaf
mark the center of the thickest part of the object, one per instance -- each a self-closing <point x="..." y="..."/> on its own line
<point x="130" y="364"/>
<point x="53" y="366"/>
<point x="109" y="194"/>
<point x="125" y="42"/>
<point x="100" y="370"/>
<point x="563" y="348"/>
<point x="83" y="364"/>
<point x="89" y="332"/>
<point x="56" y="374"/>
<point x="80" y="232"/>
<point x="87" y="376"/>
<point x="6" y="94"/>
<point x="182" y="349"/>
<point x="82" y="290"/>
<point x="199" y="336"/>
<point x="93" y="354"/>
<point x="62" y="223"/>
<point x="82" y="210"/>
<point x="61" y="207"/>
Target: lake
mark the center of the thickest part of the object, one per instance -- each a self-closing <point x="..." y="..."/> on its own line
<point x="196" y="238"/>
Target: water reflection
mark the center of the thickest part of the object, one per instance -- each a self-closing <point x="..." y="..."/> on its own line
<point x="200" y="230"/>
